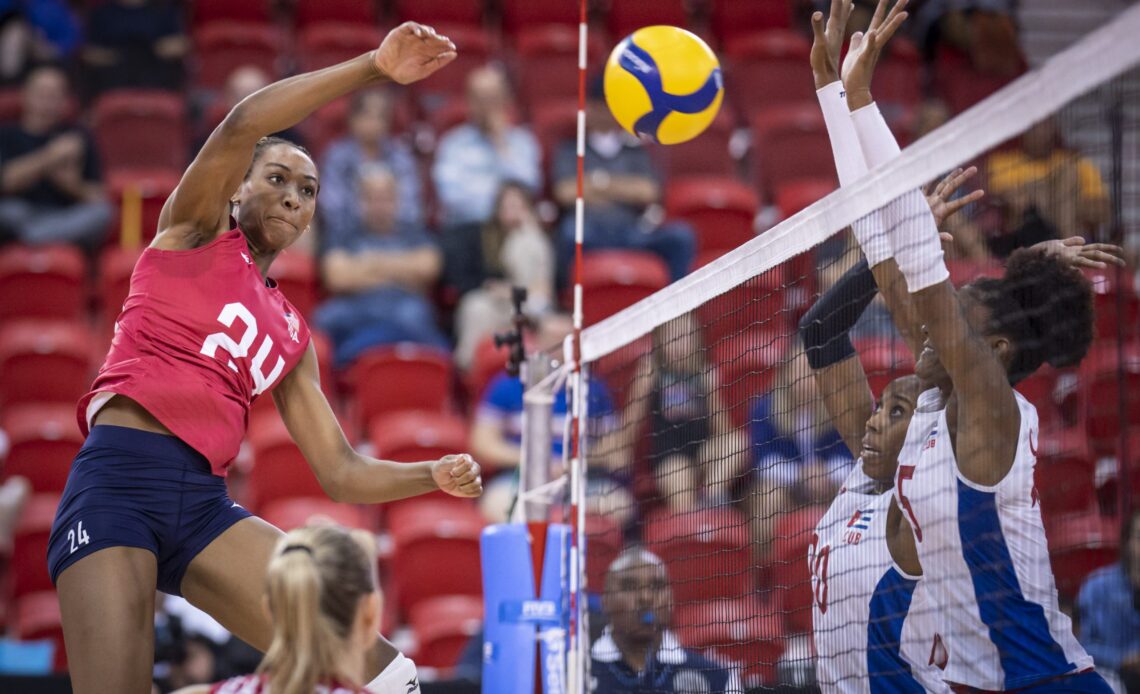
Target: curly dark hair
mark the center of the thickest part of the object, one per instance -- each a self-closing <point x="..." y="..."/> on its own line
<point x="1044" y="306"/>
<point x="269" y="141"/>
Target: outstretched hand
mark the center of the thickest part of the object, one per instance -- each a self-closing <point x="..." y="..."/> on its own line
<point x="1081" y="254"/>
<point x="865" y="49"/>
<point x="828" y="41"/>
<point x="411" y="52"/>
<point x="458" y="475"/>
<point x="939" y="196"/>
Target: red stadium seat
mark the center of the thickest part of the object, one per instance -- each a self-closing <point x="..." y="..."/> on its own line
<point x="488" y="362"/>
<point x="219" y="49"/>
<point x="310" y="12"/>
<point x="435" y="550"/>
<point x="793" y="196"/>
<point x="1065" y="473"/>
<point x="707" y="155"/>
<point x="443" y="627"/>
<point x="141" y="129"/>
<point x="254" y="11"/>
<point x="37" y="617"/>
<point x="613" y="280"/>
<point x="328" y="43"/>
<point x="519" y="15"/>
<point x="1116" y="303"/>
<point x="744" y="631"/>
<point x="295" y="272"/>
<point x="1079" y="544"/>
<point x="1038" y="389"/>
<point x="11" y="104"/>
<point x="150" y="188"/>
<point x="548" y="62"/>
<point x="408" y="437"/>
<point x="730" y="18"/>
<point x="28" y="565"/>
<point x="624" y="18"/>
<point x="603" y="545"/>
<point x="962" y="271"/>
<point x="42" y="282"/>
<point x="476" y="48"/>
<point x="1106" y="382"/>
<point x="555" y="123"/>
<point x="43" y="440"/>
<point x="43" y="361"/>
<point x="884" y="360"/>
<point x="401" y="377"/>
<point x="754" y="309"/>
<point x="721" y="209"/>
<point x="279" y="470"/>
<point x="790" y="143"/>
<point x="789" y="571"/>
<point x="114" y="280"/>
<point x="746" y="365"/>
<point x="898" y="77"/>
<point x="619" y="368"/>
<point x="441" y="12"/>
<point x="767" y="69"/>
<point x="706" y="553"/>
<point x="293" y="513"/>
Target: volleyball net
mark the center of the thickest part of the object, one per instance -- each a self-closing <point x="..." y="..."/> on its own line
<point x="710" y="445"/>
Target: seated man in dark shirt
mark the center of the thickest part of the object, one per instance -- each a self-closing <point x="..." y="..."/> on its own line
<point x="637" y="653"/>
<point x="49" y="171"/>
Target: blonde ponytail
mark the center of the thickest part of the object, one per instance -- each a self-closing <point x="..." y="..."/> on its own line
<point x="315" y="583"/>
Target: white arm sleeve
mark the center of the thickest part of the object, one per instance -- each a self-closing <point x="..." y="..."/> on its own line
<point x="851" y="166"/>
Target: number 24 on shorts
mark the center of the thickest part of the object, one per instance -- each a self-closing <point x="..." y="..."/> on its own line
<point x="77" y="537"/>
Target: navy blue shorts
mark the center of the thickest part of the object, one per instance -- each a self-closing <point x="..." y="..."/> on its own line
<point x="131" y="488"/>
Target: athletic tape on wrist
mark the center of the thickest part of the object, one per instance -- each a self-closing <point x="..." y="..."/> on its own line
<point x="914" y="239"/>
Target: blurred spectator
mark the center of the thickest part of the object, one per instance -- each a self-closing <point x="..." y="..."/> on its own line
<point x="982" y="30"/>
<point x="473" y="160"/>
<point x="483" y="262"/>
<point x="638" y="652"/>
<point x="1109" y="608"/>
<point x="379" y="272"/>
<point x="135" y="44"/>
<point x="14" y="494"/>
<point x="187" y="643"/>
<point x="33" y="32"/>
<point x="622" y="190"/>
<point x="793" y="442"/>
<point x="49" y="171"/>
<point x="496" y="436"/>
<point x="1046" y="190"/>
<point x="240" y="83"/>
<point x="695" y="453"/>
<point x="369" y="141"/>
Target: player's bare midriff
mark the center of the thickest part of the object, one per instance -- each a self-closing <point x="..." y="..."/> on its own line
<point x="121" y="411"/>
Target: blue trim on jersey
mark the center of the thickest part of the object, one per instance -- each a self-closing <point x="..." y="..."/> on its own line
<point x="888" y="671"/>
<point x="1017" y="627"/>
<point x="639" y="63"/>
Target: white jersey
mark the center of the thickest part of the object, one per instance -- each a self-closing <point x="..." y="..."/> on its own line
<point x="985" y="561"/>
<point x="872" y="625"/>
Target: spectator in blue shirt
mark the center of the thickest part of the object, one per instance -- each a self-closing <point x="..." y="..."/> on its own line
<point x="369" y="141"/>
<point x="622" y="190"/>
<point x="637" y="653"/>
<point x="1109" y="610"/>
<point x="379" y="274"/>
<point x="793" y="441"/>
<point x="496" y="436"/>
<point x="474" y="159"/>
<point x="33" y="32"/>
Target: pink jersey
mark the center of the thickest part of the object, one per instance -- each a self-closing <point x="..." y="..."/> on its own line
<point x="201" y="335"/>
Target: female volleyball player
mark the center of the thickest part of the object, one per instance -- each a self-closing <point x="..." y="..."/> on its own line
<point x="966" y="487"/>
<point x="201" y="335"/>
<point x="323" y="600"/>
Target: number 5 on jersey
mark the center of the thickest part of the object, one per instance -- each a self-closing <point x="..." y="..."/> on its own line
<point x="77" y="537"/>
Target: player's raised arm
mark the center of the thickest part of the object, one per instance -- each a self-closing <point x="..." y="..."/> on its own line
<point x="345" y="475"/>
<point x="408" y="53"/>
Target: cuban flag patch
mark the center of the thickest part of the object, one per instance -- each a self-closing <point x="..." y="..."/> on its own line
<point x="861" y="519"/>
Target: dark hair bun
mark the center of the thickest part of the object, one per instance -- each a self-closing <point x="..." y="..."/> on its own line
<point x="1057" y="303"/>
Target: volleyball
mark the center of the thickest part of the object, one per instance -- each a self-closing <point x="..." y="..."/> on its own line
<point x="663" y="83"/>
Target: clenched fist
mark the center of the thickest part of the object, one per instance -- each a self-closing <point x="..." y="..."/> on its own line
<point x="458" y="475"/>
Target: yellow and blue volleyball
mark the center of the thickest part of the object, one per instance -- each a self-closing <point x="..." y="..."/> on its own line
<point x="663" y="83"/>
